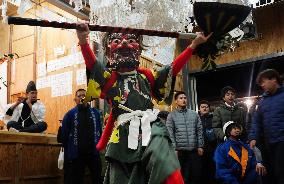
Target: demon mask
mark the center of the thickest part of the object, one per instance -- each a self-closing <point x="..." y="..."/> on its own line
<point x="122" y="51"/>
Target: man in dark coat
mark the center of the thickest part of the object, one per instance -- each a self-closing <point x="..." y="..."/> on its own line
<point x="210" y="143"/>
<point x="81" y="131"/>
<point x="227" y="111"/>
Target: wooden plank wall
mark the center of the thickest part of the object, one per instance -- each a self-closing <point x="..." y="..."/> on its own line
<point x="35" y="45"/>
<point x="149" y="63"/>
<point x="48" y="39"/>
<point x="4" y="37"/>
<point x="270" y="24"/>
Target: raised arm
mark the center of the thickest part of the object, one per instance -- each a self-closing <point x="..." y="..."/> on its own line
<point x="89" y="56"/>
<point x="165" y="77"/>
<point x="183" y="58"/>
<point x="98" y="73"/>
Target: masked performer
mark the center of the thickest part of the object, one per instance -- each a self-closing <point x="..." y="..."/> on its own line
<point x="139" y="150"/>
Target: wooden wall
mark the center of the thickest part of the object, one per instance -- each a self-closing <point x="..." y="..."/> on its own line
<point x="270" y="24"/>
<point x="4" y="37"/>
<point x="149" y="63"/>
<point x="36" y="45"/>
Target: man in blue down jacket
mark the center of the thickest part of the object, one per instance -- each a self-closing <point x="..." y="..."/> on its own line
<point x="186" y="133"/>
<point x="269" y="120"/>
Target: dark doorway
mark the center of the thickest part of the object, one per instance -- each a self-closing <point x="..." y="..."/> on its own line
<point x="241" y="77"/>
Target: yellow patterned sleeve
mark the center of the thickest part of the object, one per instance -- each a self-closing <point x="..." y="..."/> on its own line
<point x="98" y="78"/>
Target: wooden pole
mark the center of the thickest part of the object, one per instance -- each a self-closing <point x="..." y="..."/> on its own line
<point x="111" y="29"/>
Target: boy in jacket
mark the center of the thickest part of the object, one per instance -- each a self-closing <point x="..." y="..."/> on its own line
<point x="235" y="162"/>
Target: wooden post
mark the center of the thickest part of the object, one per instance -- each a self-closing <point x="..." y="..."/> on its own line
<point x="35" y="51"/>
<point x="35" y="47"/>
<point x="9" y="77"/>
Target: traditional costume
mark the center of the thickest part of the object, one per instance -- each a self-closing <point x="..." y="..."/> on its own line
<point x="26" y="119"/>
<point x="139" y="150"/>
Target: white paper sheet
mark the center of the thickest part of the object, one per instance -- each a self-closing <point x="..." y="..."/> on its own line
<point x="43" y="82"/>
<point x="63" y="62"/>
<point x="61" y="84"/>
<point x="81" y="77"/>
<point x="41" y="69"/>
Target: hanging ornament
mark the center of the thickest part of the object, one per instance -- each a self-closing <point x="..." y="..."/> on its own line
<point x="219" y="17"/>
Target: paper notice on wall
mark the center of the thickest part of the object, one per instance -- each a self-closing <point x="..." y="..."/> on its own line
<point x="61" y="84"/>
<point x="43" y="82"/>
<point x="41" y="69"/>
<point x="81" y="77"/>
<point x="63" y="62"/>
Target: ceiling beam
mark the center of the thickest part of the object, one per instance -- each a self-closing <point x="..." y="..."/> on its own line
<point x="68" y="8"/>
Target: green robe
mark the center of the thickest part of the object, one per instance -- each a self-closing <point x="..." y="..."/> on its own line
<point x="147" y="164"/>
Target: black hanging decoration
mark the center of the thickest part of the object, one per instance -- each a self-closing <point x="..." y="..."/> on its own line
<point x="219" y="18"/>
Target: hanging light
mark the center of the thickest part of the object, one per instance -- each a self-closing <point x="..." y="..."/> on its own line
<point x="248" y="102"/>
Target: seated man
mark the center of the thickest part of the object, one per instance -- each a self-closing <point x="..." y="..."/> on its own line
<point x="27" y="114"/>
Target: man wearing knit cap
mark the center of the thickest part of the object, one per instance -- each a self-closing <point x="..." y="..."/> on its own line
<point x="27" y="114"/>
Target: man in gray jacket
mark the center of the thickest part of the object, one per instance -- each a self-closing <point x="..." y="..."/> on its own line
<point x="186" y="133"/>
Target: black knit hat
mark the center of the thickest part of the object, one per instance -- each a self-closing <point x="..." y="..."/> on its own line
<point x="31" y="87"/>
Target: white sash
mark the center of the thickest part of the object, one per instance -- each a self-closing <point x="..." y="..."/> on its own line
<point x="134" y="118"/>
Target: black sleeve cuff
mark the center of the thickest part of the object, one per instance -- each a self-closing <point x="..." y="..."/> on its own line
<point x="9" y="112"/>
